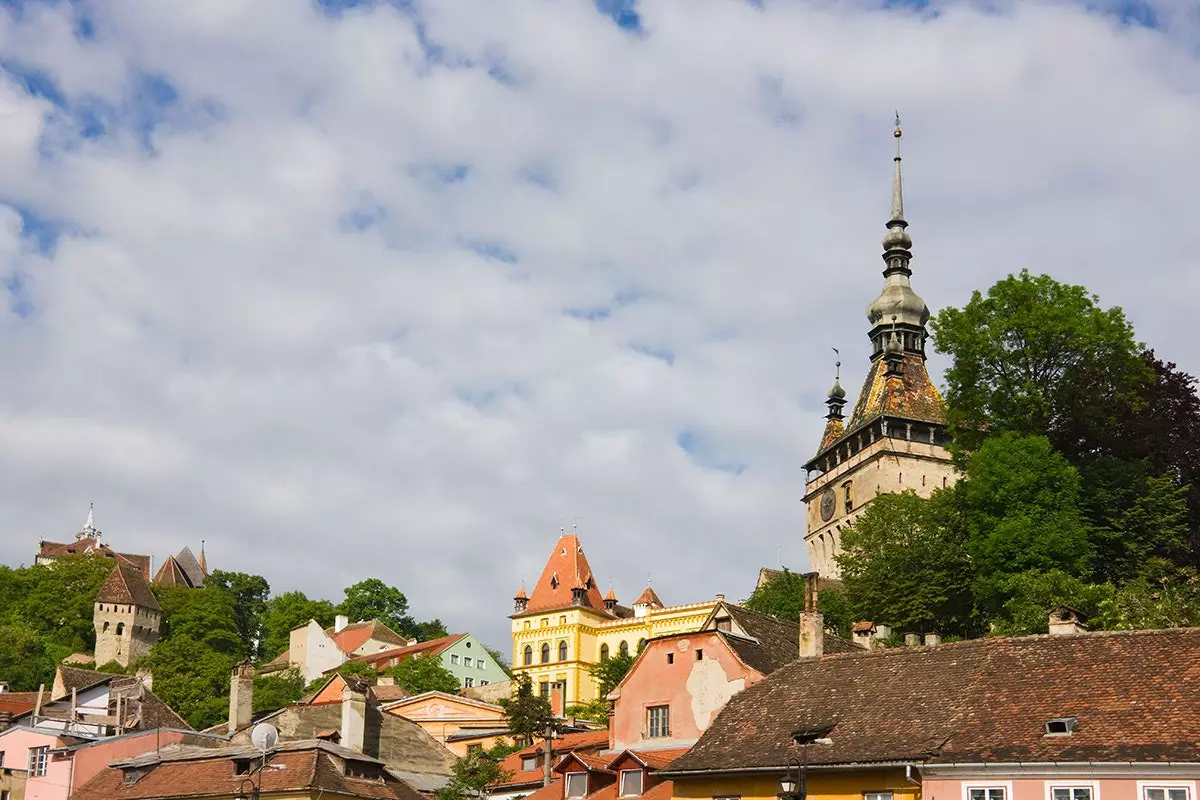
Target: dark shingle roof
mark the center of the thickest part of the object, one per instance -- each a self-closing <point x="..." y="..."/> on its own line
<point x="126" y="584"/>
<point x="986" y="700"/>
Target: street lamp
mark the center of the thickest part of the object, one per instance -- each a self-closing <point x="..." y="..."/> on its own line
<point x="791" y="785"/>
<point x="243" y="794"/>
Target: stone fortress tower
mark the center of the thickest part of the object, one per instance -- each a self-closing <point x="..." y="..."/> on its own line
<point x="126" y="617"/>
<point x="895" y="439"/>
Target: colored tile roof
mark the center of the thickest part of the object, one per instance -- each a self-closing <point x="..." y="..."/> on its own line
<point x="17" y="703"/>
<point x="90" y="545"/>
<point x="661" y="790"/>
<point x="552" y="791"/>
<point x="566" y="568"/>
<point x="384" y="658"/>
<point x="586" y="741"/>
<point x="309" y="767"/>
<point x="589" y="761"/>
<point x="985" y="700"/>
<point x="127" y="585"/>
<point x="909" y="396"/>
<point x="648" y="597"/>
<point x="772" y="642"/>
<point x="834" y="430"/>
<point x="355" y="635"/>
<point x="654" y="759"/>
<point x="171" y="574"/>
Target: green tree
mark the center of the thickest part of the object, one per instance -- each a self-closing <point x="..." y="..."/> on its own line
<point x="278" y="689"/>
<point x="290" y="610"/>
<point x="427" y="631"/>
<point x="904" y="562"/>
<point x="207" y="616"/>
<point x="359" y="671"/>
<point x="1163" y="596"/>
<point x="1023" y="358"/>
<point x="374" y="599"/>
<point x="112" y="668"/>
<point x="1031" y="596"/>
<point x="192" y="678"/>
<point x="609" y="672"/>
<point x="1019" y="499"/>
<point x="424" y="674"/>
<point x="528" y="715"/>
<point x="56" y="600"/>
<point x="472" y="774"/>
<point x="250" y="593"/>
<point x="782" y="597"/>
<point x="24" y="662"/>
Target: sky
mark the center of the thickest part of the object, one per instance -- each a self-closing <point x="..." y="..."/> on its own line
<point x="401" y="290"/>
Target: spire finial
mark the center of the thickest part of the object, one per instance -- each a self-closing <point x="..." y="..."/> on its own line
<point x="837" y="365"/>
<point x="897" y="180"/>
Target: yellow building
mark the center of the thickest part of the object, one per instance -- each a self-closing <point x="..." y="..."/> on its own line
<point x="855" y="784"/>
<point x="565" y="626"/>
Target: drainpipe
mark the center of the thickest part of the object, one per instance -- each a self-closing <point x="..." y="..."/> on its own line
<point x="908" y="776"/>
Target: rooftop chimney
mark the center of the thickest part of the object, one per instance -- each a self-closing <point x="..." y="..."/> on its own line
<point x="5" y="720"/>
<point x="340" y="622"/>
<point x="1066" y="621"/>
<point x="354" y="718"/>
<point x="912" y="640"/>
<point x="812" y="621"/>
<point x="241" y="696"/>
<point x="932" y="639"/>
<point x="147" y="679"/>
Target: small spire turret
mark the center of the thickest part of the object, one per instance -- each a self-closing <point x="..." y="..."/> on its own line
<point x="837" y="395"/>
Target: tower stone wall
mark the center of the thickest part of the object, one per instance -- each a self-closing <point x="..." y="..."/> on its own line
<point x="125" y="632"/>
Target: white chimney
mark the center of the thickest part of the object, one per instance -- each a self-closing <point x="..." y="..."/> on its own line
<point x="3" y="687"/>
<point x="340" y="622"/>
<point x="1066" y="621"/>
<point x="912" y="640"/>
<point x="812" y="621"/>
<point x="241" y="697"/>
<point x="932" y="639"/>
<point x="354" y="719"/>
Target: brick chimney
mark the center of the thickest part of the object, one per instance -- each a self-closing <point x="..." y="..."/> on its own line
<point x="1066" y="621"/>
<point x="5" y="720"/>
<point x="354" y="718"/>
<point x="241" y="696"/>
<point x="912" y="640"/>
<point x="812" y="621"/>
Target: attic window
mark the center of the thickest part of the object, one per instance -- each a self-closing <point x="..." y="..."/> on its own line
<point x="242" y="766"/>
<point x="553" y="581"/>
<point x="631" y="782"/>
<point x="1062" y="726"/>
<point x="576" y="784"/>
<point x="528" y="763"/>
<point x="724" y="624"/>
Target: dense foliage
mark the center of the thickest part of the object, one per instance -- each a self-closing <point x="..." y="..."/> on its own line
<point x="1079" y="479"/>
<point x="528" y="714"/>
<point x="474" y="772"/>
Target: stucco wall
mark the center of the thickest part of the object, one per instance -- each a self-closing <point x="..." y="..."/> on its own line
<point x="56" y="783"/>
<point x="1038" y="788"/>
<point x="694" y="689"/>
<point x="821" y="786"/>
<point x="91" y="760"/>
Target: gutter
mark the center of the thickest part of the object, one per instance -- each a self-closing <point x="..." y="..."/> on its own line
<point x="698" y="773"/>
<point x="1057" y="764"/>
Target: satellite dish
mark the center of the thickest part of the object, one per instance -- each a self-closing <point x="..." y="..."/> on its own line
<point x="264" y="736"/>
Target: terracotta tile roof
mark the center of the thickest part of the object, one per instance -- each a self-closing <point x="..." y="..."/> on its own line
<point x="910" y="396"/>
<point x="383" y="659"/>
<point x="127" y="585"/>
<point x="89" y="545"/>
<point x="17" y="703"/>
<point x="566" y="568"/>
<point x="554" y="791"/>
<point x="656" y="759"/>
<point x="585" y="742"/>
<point x="834" y="429"/>
<point x="611" y="597"/>
<point x="354" y="636"/>
<point x="660" y="790"/>
<point x="589" y="761"/>
<point x="985" y="700"/>
<point x="520" y="595"/>
<point x="390" y="694"/>
<point x="863" y="627"/>
<point x="648" y="597"/>
<point x="199" y="772"/>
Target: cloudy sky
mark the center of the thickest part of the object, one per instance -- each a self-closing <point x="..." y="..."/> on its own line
<point x="397" y="290"/>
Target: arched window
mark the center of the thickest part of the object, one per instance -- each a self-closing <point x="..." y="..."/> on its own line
<point x="641" y="645"/>
<point x="105" y="628"/>
<point x="120" y="628"/>
<point x="624" y="649"/>
<point x="562" y="651"/>
<point x="545" y="653"/>
<point x="604" y="652"/>
<point x="528" y="655"/>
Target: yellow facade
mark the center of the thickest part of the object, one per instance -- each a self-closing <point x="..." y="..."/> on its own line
<point x="586" y="632"/>
<point x="839" y="785"/>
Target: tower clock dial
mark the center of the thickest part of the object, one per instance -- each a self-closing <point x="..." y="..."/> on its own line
<point x="828" y="502"/>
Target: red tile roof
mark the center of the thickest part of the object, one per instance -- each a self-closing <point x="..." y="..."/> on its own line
<point x="662" y="790"/>
<point x="89" y="545"/>
<point x="586" y="742"/>
<point x="648" y="597"/>
<point x="383" y="659"/>
<point x="127" y="585"/>
<point x="566" y="569"/>
<point x="985" y="700"/>
<point x="17" y="703"/>
<point x="654" y="759"/>
<point x="589" y="761"/>
<point x="354" y="636"/>
<point x="554" y="791"/>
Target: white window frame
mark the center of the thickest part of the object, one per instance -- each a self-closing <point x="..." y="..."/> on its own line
<point x="468" y="683"/>
<point x="454" y="658"/>
<point x="883" y="794"/>
<point x="641" y="773"/>
<point x="532" y="761"/>
<point x="567" y="784"/>
<point x="1142" y="786"/>
<point x="649" y="726"/>
<point x="1091" y="786"/>
<point x="39" y="764"/>
<point x="1005" y="785"/>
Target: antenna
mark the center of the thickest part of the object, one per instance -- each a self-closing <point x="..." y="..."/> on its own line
<point x="264" y="736"/>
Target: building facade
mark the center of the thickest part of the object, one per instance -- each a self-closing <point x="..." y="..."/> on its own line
<point x="88" y="542"/>
<point x="565" y="626"/>
<point x="126" y="617"/>
<point x="460" y="653"/>
<point x="895" y="438"/>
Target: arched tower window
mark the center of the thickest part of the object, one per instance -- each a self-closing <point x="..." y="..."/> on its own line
<point x="120" y="628"/>
<point x="641" y="645"/>
<point x="105" y="628"/>
<point x="545" y="653"/>
<point x="604" y="652"/>
<point x="528" y="655"/>
<point x="562" y="651"/>
<point x="624" y="649"/>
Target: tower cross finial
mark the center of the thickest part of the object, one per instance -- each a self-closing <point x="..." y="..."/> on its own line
<point x="897" y="179"/>
<point x="837" y="365"/>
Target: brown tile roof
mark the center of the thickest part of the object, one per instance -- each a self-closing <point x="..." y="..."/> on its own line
<point x="653" y="759"/>
<point x="648" y="597"/>
<point x="89" y="545"/>
<point x="191" y="568"/>
<point x="985" y="700"/>
<point x="834" y="429"/>
<point x="863" y="627"/>
<point x="79" y="680"/>
<point x="310" y="767"/>
<point x="585" y="742"/>
<point x="354" y="636"/>
<point x="566" y="568"/>
<point x="774" y="642"/>
<point x="390" y="694"/>
<point x="17" y="703"/>
<point x="171" y="574"/>
<point x="383" y="659"/>
<point x="589" y="761"/>
<point x="143" y="710"/>
<point x="127" y="585"/>
<point x="910" y="396"/>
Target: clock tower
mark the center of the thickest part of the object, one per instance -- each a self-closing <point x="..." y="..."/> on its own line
<point x="895" y="438"/>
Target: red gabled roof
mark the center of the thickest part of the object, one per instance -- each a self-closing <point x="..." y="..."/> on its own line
<point x="127" y="585"/>
<point x="89" y="545"/>
<point x="652" y="759"/>
<point x="586" y="742"/>
<point x="648" y="597"/>
<point x="589" y="761"/>
<point x="353" y="636"/>
<point x="566" y="569"/>
<point x="383" y="659"/>
<point x="17" y="703"/>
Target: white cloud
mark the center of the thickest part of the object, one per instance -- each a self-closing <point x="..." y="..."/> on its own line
<point x="343" y="310"/>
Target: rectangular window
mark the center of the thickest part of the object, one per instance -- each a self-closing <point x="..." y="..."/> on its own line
<point x="528" y="763"/>
<point x="483" y="683"/>
<point x="453" y="659"/>
<point x="544" y="691"/>
<point x="877" y="796"/>
<point x="670" y="658"/>
<point x="848" y="498"/>
<point x="631" y="782"/>
<point x="562" y="620"/>
<point x="479" y="663"/>
<point x="986" y="793"/>
<point x="576" y="784"/>
<point x="468" y="682"/>
<point x="1071" y="793"/>
<point x="545" y="621"/>
<point x="658" y="724"/>
<point x="1166" y="793"/>
<point x="38" y="757"/>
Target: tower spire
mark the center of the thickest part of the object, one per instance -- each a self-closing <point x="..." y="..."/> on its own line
<point x="896" y="242"/>
<point x="897" y="180"/>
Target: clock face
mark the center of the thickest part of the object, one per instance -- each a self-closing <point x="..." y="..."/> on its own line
<point x="828" y="502"/>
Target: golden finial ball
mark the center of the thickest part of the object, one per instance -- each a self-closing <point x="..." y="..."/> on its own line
<point x="896" y="133"/>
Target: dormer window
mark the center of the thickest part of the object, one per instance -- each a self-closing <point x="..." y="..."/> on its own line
<point x="1061" y="726"/>
<point x="528" y="763"/>
<point x="576" y="784"/>
<point x="631" y="782"/>
<point x="724" y="624"/>
<point x="554" y="581"/>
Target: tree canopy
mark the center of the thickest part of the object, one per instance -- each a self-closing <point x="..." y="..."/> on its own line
<point x="424" y="674"/>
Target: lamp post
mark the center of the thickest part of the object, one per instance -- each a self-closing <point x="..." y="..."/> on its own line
<point x="244" y="794"/>
<point x="792" y="786"/>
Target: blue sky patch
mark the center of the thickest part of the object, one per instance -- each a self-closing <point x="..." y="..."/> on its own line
<point x="34" y="81"/>
<point x="39" y="231"/>
<point x="589" y="313"/>
<point x="661" y="353"/>
<point x="622" y="12"/>
<point x="18" y="297"/>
